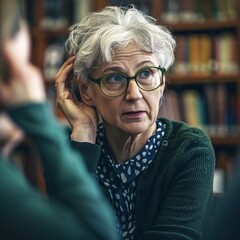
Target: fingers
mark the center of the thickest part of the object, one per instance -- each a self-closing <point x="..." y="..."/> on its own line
<point x="25" y="82"/>
<point x="60" y="80"/>
<point x="63" y="73"/>
<point x="69" y="61"/>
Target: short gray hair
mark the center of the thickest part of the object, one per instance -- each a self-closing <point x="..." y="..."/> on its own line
<point x="99" y="34"/>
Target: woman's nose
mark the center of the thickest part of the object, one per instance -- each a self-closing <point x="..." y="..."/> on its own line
<point x="133" y="91"/>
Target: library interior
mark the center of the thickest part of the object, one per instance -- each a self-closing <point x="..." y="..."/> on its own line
<point x="203" y="85"/>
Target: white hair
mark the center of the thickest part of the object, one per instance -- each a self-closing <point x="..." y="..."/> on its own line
<point x="99" y="34"/>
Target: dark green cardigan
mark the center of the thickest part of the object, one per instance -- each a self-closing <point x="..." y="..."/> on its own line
<point x="174" y="193"/>
<point x="76" y="209"/>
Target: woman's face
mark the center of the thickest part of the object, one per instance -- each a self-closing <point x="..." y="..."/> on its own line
<point x="136" y="110"/>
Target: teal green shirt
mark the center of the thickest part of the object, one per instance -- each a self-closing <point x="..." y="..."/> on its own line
<point x="174" y="193"/>
<point x="74" y="210"/>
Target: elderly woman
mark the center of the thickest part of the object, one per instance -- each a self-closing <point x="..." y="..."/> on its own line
<point x="157" y="174"/>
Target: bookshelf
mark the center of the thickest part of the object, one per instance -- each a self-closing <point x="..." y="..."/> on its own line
<point x="49" y="21"/>
<point x="217" y="81"/>
<point x="206" y="70"/>
<point x="211" y="29"/>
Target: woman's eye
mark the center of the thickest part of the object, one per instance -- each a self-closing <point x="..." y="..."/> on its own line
<point x="145" y="73"/>
<point x="115" y="78"/>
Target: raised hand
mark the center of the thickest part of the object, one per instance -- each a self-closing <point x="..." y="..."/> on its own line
<point x="24" y="83"/>
<point x="82" y="118"/>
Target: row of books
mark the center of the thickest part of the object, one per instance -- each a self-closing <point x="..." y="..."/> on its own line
<point x="195" y="10"/>
<point x="195" y="53"/>
<point x="143" y="5"/>
<point x="206" y="53"/>
<point x="215" y="108"/>
<point x="58" y="14"/>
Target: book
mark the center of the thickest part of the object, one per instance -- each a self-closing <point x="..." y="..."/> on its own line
<point x="170" y="106"/>
<point x="181" y="55"/>
<point x="205" y="54"/>
<point x="231" y="6"/>
<point x="210" y="109"/>
<point x="171" y="10"/>
<point x="221" y="10"/>
<point x="188" y="11"/>
<point x="232" y="113"/>
<point x="214" y="53"/>
<point x="237" y="108"/>
<point x="225" y="53"/>
<point x="220" y="95"/>
<point x="55" y="15"/>
<point x="53" y="59"/>
<point x="203" y="9"/>
<point x="193" y="108"/>
<point x="80" y="9"/>
<point x="194" y="53"/>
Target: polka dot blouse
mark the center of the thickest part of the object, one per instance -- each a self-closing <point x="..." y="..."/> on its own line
<point x="121" y="179"/>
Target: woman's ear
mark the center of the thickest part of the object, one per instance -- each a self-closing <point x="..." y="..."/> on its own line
<point x="86" y="94"/>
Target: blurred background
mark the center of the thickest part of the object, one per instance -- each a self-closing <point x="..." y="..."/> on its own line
<point x="203" y="86"/>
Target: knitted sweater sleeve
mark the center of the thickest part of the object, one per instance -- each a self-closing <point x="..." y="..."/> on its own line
<point x="90" y="154"/>
<point x="181" y="184"/>
<point x="75" y="210"/>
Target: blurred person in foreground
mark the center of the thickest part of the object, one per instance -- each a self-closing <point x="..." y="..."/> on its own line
<point x="156" y="173"/>
<point x="75" y="209"/>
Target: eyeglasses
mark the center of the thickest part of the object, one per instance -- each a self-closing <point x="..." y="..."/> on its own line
<point x="116" y="84"/>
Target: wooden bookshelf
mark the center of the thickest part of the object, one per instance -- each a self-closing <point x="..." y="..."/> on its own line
<point x="225" y="140"/>
<point x="227" y="145"/>
<point x="213" y="24"/>
<point x="207" y="25"/>
<point x="42" y="37"/>
<point x="202" y="78"/>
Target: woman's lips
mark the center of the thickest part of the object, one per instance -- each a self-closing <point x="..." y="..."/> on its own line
<point x="135" y="114"/>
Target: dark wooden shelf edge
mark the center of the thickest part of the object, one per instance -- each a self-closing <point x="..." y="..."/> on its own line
<point x="58" y="31"/>
<point x="35" y="32"/>
<point x="201" y="79"/>
<point x="225" y="140"/>
<point x="203" y="25"/>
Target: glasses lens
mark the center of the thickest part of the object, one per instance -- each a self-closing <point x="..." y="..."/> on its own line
<point x="149" y="78"/>
<point x="114" y="84"/>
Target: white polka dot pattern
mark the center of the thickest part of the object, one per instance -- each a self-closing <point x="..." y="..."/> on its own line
<point x="121" y="179"/>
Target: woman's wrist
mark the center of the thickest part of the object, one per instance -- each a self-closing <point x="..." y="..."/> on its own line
<point x="83" y="135"/>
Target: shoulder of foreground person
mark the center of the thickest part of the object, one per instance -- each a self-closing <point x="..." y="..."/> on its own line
<point x="28" y="214"/>
<point x="74" y="195"/>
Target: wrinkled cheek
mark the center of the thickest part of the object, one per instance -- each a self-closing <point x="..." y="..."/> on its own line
<point x="108" y="109"/>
